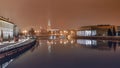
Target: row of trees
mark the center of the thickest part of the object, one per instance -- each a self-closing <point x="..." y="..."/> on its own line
<point x="111" y="32"/>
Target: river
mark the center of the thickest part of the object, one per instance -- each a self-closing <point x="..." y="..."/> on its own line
<point x="64" y="53"/>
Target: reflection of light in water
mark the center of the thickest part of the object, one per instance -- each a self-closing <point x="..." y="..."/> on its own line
<point x="61" y="41"/>
<point x="55" y="43"/>
<point x="69" y="37"/>
<point x="52" y="42"/>
<point x="40" y="43"/>
<point x="72" y="41"/>
<point x="49" y="46"/>
<point x="6" y="64"/>
<point x="65" y="41"/>
<point x="87" y="42"/>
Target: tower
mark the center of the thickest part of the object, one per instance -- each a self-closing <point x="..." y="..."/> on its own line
<point x="48" y="26"/>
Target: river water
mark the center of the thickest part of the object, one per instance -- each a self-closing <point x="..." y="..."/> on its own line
<point x="64" y="53"/>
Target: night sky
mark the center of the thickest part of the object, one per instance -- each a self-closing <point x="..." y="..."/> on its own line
<point x="64" y="14"/>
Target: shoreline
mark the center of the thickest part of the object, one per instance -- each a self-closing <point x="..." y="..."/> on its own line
<point x="17" y="45"/>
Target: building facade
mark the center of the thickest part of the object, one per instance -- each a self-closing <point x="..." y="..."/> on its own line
<point x="97" y="30"/>
<point x="118" y="31"/>
<point x="7" y="28"/>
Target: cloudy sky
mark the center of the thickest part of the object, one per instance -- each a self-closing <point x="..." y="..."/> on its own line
<point x="62" y="13"/>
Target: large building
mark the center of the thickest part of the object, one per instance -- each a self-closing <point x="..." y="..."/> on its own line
<point x="118" y="31"/>
<point x="7" y="28"/>
<point x="97" y="30"/>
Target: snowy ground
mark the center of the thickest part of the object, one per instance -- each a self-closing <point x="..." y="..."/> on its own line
<point x="10" y="45"/>
<point x="7" y="43"/>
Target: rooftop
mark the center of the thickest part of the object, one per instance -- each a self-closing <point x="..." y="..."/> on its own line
<point x="5" y="19"/>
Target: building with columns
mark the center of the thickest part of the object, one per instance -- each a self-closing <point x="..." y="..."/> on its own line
<point x="97" y="30"/>
<point x="7" y="28"/>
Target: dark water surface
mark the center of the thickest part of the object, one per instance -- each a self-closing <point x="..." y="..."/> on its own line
<point x="69" y="54"/>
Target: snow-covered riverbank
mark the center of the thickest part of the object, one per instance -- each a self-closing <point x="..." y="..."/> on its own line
<point x="5" y="46"/>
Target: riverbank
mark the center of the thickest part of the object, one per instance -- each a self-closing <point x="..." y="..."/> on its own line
<point x="10" y="46"/>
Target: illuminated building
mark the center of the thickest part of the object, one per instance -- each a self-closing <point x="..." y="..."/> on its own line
<point x="97" y="30"/>
<point x="118" y="31"/>
<point x="7" y="28"/>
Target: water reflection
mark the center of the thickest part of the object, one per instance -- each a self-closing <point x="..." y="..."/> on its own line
<point x="61" y="41"/>
<point x="70" y="53"/>
<point x="99" y="44"/>
<point x="81" y="43"/>
<point x="49" y="46"/>
<point x="87" y="42"/>
<point x="7" y="57"/>
<point x="5" y="64"/>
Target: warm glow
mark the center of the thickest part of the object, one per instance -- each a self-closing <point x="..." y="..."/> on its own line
<point x="24" y="31"/>
<point x="65" y="31"/>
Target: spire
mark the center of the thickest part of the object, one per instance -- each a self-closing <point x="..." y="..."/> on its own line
<point x="49" y="24"/>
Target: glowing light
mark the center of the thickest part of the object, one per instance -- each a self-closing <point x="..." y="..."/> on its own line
<point x="72" y="32"/>
<point x="65" y="31"/>
<point x="25" y="32"/>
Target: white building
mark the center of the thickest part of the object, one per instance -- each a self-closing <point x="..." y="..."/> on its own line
<point x="7" y="28"/>
<point x="96" y="30"/>
<point x="118" y="31"/>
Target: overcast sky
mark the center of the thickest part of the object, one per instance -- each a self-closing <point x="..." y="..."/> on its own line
<point x="62" y="13"/>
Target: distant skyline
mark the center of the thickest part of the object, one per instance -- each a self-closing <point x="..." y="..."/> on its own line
<point x="63" y="14"/>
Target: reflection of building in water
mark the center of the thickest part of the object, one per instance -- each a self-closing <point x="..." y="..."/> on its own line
<point x="4" y="65"/>
<point x="87" y="42"/>
<point x="61" y="42"/>
<point x="49" y="46"/>
<point x="98" y="44"/>
<point x="8" y="56"/>
<point x="64" y="41"/>
<point x="103" y="45"/>
<point x="97" y="30"/>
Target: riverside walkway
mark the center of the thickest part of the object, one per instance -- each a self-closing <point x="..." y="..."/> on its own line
<point x="11" y="45"/>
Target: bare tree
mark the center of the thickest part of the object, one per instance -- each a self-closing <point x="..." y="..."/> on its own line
<point x="31" y="32"/>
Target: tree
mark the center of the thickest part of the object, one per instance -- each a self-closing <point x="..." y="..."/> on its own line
<point x="114" y="31"/>
<point x="31" y="32"/>
<point x="109" y="32"/>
